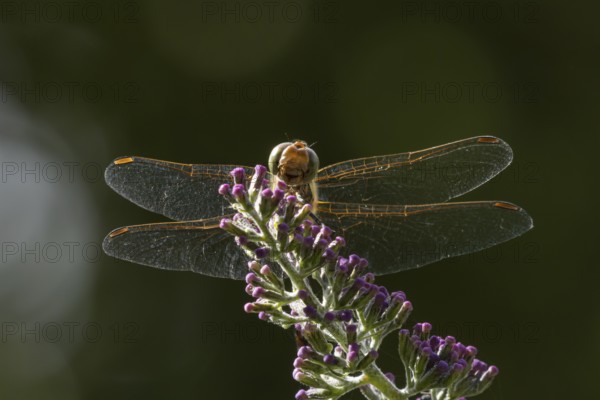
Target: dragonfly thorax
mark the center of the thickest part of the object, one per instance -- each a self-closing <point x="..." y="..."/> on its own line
<point x="294" y="163"/>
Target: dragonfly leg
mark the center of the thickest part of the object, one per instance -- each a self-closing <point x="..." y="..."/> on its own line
<point x="315" y="218"/>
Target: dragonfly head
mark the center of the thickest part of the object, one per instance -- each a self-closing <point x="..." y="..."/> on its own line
<point x="294" y="163"/>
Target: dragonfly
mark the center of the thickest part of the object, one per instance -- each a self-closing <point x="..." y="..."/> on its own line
<point x="393" y="209"/>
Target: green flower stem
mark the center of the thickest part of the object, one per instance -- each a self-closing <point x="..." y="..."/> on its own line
<point x="337" y="333"/>
<point x="297" y="281"/>
<point x="369" y="392"/>
<point x="376" y="378"/>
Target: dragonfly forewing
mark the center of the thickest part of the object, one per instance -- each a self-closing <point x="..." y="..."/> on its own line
<point x="180" y="192"/>
<point x="422" y="177"/>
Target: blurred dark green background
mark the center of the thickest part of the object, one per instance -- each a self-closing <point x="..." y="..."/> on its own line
<point x="213" y="82"/>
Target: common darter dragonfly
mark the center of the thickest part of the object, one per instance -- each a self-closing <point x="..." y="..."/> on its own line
<point x="391" y="209"/>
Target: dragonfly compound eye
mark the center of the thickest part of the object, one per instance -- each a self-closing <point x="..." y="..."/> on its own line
<point x="295" y="163"/>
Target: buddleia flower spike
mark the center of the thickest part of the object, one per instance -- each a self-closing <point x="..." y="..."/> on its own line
<point x="300" y="278"/>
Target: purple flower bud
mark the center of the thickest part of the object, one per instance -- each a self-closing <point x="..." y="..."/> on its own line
<point x="426" y="352"/>
<point x="265" y="270"/>
<point x="261" y="252"/>
<point x="321" y="244"/>
<point x="341" y="268"/>
<point x="297" y="374"/>
<point x="367" y="288"/>
<point x="352" y="356"/>
<point x="263" y="316"/>
<point x="238" y="217"/>
<point x="441" y="367"/>
<point x="329" y="316"/>
<point x="492" y="371"/>
<point x="305" y="352"/>
<point x="302" y="294"/>
<point x="249" y="307"/>
<point x="453" y="356"/>
<point x="224" y="189"/>
<point x="341" y="241"/>
<point x="343" y="262"/>
<point x="278" y="195"/>
<point x="260" y="169"/>
<point x="391" y="377"/>
<point x="281" y="185"/>
<point x="314" y="230"/>
<point x="253" y="266"/>
<point x="369" y="277"/>
<point x="396" y="301"/>
<point x="329" y="255"/>
<point x="298" y="238"/>
<point x="426" y="327"/>
<point x="291" y="199"/>
<point x="329" y="359"/>
<point x="298" y="362"/>
<point x="418" y="328"/>
<point x="267" y="194"/>
<point x="251" y="278"/>
<point x="462" y="362"/>
<point x="373" y="354"/>
<point x="353" y="347"/>
<point x="249" y="289"/>
<point x="241" y="240"/>
<point x="359" y="282"/>
<point x="338" y="351"/>
<point x="238" y="191"/>
<point x="310" y="311"/>
<point x="345" y="315"/>
<point x="457" y="367"/>
<point x="303" y="212"/>
<point x="399" y="294"/>
<point x="471" y="351"/>
<point x="283" y="227"/>
<point x="353" y="260"/>
<point x="434" y="342"/>
<point x="325" y="231"/>
<point x="238" y="175"/>
<point x="459" y="348"/>
<point x="308" y="242"/>
<point x="301" y="395"/>
<point x="379" y="299"/>
<point x="258" y="292"/>
<point x="363" y="263"/>
<point x="424" y="345"/>
<point x="225" y="223"/>
<point x="478" y="365"/>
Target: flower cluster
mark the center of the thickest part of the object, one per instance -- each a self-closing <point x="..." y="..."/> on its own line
<point x="298" y="277"/>
<point x="443" y="366"/>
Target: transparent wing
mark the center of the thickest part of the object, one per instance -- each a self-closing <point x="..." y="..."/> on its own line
<point x="421" y="177"/>
<point x="397" y="238"/>
<point x="178" y="191"/>
<point x="198" y="246"/>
